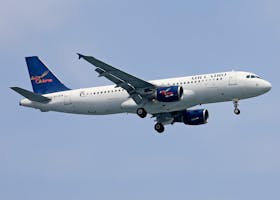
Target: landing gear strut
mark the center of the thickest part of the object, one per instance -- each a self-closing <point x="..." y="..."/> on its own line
<point x="141" y="112"/>
<point x="236" y="110"/>
<point x="159" y="127"/>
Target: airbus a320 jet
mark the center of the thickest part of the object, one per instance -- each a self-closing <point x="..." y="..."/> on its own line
<point x="169" y="100"/>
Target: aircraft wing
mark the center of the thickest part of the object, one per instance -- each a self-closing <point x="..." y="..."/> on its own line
<point x="137" y="88"/>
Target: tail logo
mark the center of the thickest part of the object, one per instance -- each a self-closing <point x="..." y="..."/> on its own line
<point x="40" y="79"/>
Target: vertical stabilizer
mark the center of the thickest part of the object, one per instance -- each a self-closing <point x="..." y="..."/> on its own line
<point x="42" y="79"/>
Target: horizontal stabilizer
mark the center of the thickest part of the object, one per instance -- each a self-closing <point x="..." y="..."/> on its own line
<point x="31" y="95"/>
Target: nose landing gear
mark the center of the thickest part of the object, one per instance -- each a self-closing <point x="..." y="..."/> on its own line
<point x="236" y="111"/>
<point x="235" y="103"/>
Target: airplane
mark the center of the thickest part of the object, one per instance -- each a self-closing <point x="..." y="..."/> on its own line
<point x="169" y="100"/>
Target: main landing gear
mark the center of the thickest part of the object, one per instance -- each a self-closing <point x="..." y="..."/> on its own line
<point x="236" y="110"/>
<point x="141" y="112"/>
<point x="159" y="127"/>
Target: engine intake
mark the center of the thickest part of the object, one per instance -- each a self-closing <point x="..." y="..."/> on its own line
<point x="169" y="94"/>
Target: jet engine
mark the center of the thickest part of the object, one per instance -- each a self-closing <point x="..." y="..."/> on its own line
<point x="193" y="117"/>
<point x="169" y="94"/>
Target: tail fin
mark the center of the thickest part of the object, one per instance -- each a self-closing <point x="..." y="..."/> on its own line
<point x="42" y="79"/>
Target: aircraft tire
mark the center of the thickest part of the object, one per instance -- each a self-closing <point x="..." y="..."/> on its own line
<point x="237" y="111"/>
<point x="159" y="127"/>
<point x="141" y="112"/>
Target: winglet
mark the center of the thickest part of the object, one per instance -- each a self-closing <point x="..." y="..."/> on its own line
<point x="31" y="95"/>
<point x="80" y="55"/>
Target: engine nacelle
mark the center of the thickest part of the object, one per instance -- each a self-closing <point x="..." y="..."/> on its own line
<point x="169" y="94"/>
<point x="193" y="117"/>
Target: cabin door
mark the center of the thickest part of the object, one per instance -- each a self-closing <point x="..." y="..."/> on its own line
<point x="232" y="79"/>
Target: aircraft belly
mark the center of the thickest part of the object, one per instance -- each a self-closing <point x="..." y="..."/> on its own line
<point x="98" y="106"/>
<point x="109" y="106"/>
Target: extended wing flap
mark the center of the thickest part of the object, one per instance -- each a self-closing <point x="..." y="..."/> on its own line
<point x="31" y="95"/>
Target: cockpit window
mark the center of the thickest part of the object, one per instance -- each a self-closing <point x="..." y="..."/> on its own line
<point x="252" y="76"/>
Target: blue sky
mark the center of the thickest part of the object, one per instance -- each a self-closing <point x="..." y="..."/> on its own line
<point x="60" y="156"/>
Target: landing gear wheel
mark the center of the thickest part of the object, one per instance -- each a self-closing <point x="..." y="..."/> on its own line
<point x="141" y="112"/>
<point x="236" y="111"/>
<point x="159" y="127"/>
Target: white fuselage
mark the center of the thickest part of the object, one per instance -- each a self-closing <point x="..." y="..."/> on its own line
<point x="198" y="89"/>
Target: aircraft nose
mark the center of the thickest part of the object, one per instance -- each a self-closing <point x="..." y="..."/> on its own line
<point x="266" y="86"/>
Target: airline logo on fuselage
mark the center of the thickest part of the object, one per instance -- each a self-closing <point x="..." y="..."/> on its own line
<point x="167" y="93"/>
<point x="40" y="79"/>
